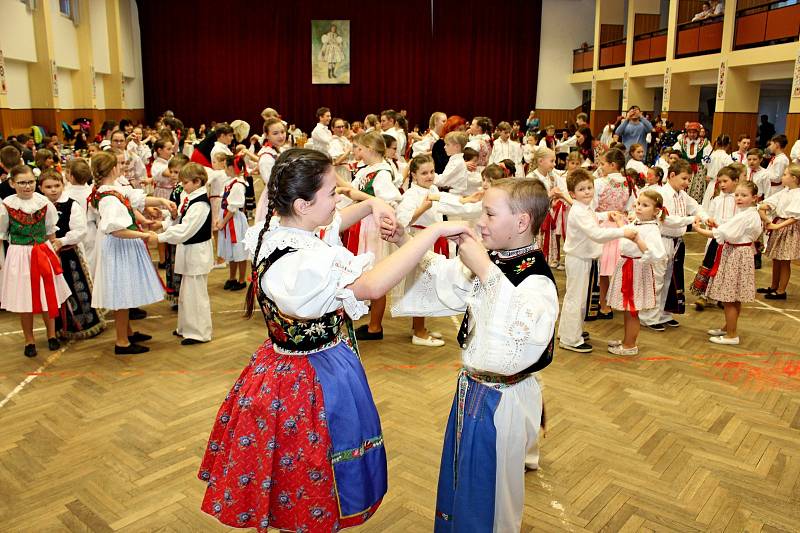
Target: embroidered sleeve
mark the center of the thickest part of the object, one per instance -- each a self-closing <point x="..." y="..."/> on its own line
<point x="792" y="208"/>
<point x="510" y="327"/>
<point x="136" y="197"/>
<point x="438" y="287"/>
<point x="236" y="197"/>
<point x="655" y="246"/>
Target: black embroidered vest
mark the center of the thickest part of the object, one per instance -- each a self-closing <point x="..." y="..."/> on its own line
<point x="64" y="215"/>
<point x="516" y="269"/>
<point x="298" y="335"/>
<point x="204" y="233"/>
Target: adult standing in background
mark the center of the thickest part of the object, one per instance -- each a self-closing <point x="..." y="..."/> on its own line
<point x="425" y="144"/>
<point x="634" y="128"/>
<point x="766" y="131"/>
<point x="532" y="124"/>
<point x="321" y="136"/>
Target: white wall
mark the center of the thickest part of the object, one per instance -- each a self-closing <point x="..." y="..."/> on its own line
<point x="16" y="31"/>
<point x="66" y="99"/>
<point x="19" y="91"/>
<point x="99" y="30"/>
<point x="100" y="90"/>
<point x="65" y="39"/>
<point x="565" y="25"/>
<point x="134" y="86"/>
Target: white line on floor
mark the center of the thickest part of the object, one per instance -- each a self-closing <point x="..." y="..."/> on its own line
<point x="38" y="372"/>
<point x="777" y="310"/>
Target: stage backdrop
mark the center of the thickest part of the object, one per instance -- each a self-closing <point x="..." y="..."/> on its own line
<point x="210" y="60"/>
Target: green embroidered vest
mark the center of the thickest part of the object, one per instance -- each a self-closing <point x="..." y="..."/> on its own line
<point x="26" y="228"/>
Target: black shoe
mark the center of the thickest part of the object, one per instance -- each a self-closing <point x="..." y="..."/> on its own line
<point x="585" y="335"/>
<point x="671" y="323"/>
<point x="176" y="333"/>
<point x="238" y="285"/>
<point x="139" y="337"/>
<point x="136" y="314"/>
<point x="175" y="307"/>
<point x="53" y="344"/>
<point x="582" y="348"/>
<point x="189" y="342"/>
<point x="775" y="296"/>
<point x="162" y="266"/>
<point x="131" y="349"/>
<point x="757" y="262"/>
<point x="364" y="334"/>
<point x="228" y="284"/>
<point x="765" y="290"/>
<point x="590" y="318"/>
<point x="30" y="350"/>
<point x="605" y="316"/>
<point x="720" y="305"/>
<point x="656" y="327"/>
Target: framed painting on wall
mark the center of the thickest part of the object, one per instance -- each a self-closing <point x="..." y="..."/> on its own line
<point x="330" y="51"/>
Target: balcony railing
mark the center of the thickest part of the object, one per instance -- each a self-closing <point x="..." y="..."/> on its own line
<point x="651" y="46"/>
<point x="700" y="37"/>
<point x="612" y="54"/>
<point x="773" y="23"/>
<point x="583" y="59"/>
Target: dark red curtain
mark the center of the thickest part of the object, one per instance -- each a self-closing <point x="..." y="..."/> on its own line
<point x="208" y="60"/>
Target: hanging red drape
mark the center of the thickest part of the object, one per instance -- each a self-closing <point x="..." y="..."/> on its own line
<point x="207" y="60"/>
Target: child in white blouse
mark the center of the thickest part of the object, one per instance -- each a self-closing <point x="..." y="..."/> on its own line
<point x="423" y="205"/>
<point x="784" y="241"/>
<point x="124" y="277"/>
<point x="274" y="144"/>
<point x="454" y="176"/>
<point x="633" y="285"/>
<point x="583" y="244"/>
<point x="194" y="257"/>
<point x="733" y="275"/>
<point x="636" y="162"/>
<point x="231" y="226"/>
<point x="28" y="222"/>
<point x="779" y="162"/>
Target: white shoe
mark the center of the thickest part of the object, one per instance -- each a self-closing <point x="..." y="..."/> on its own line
<point x="560" y="266"/>
<point x="430" y="341"/>
<point x="434" y="334"/>
<point x="724" y="340"/>
<point x="621" y="350"/>
<point x="615" y="343"/>
<point x="218" y="266"/>
<point x="717" y="332"/>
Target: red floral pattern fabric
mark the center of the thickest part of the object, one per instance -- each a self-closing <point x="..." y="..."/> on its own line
<point x="268" y="463"/>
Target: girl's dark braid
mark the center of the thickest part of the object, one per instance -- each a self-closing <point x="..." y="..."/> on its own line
<point x="272" y="193"/>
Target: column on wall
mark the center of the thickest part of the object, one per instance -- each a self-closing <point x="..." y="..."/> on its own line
<point x="793" y="118"/>
<point x="605" y="104"/>
<point x="681" y="104"/>
<point x="42" y="75"/>
<point x="737" y="102"/>
<point x="638" y="94"/>
<point x="113" y="83"/>
<point x="83" y="82"/>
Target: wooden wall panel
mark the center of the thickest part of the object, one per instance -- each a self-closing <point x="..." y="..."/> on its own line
<point x="687" y="9"/>
<point x="600" y="117"/>
<point x="680" y="117"/>
<point x="792" y="128"/>
<point x="611" y="32"/>
<point x="17" y="121"/>
<point x="646" y="22"/>
<point x="556" y="117"/>
<point x="732" y="124"/>
<point x="745" y="4"/>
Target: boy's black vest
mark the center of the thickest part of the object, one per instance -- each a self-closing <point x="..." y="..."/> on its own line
<point x="64" y="214"/>
<point x="204" y="233"/>
<point x="516" y="268"/>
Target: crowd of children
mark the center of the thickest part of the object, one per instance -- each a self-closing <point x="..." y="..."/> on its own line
<point x="364" y="213"/>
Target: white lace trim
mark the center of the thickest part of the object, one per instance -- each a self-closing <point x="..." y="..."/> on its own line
<point x="30" y="206"/>
<point x="287" y="237"/>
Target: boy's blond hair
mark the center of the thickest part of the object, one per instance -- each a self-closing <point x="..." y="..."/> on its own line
<point x="526" y="195"/>
<point x="456" y="137"/>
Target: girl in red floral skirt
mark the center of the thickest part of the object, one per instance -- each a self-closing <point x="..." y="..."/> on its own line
<point x="297" y="444"/>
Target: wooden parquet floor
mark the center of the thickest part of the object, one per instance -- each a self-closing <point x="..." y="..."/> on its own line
<point x="688" y="436"/>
